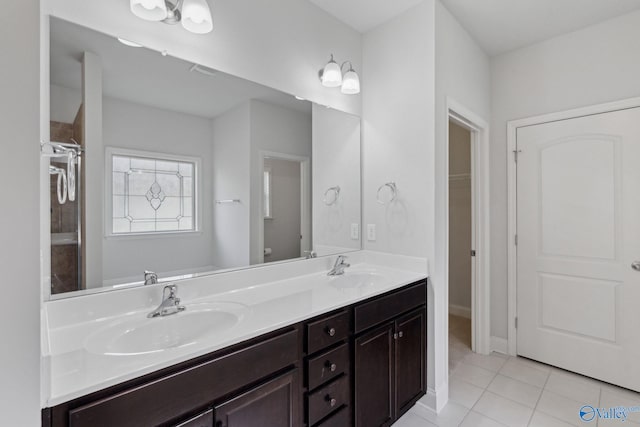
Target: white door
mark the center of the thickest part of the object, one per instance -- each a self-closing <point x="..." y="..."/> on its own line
<point x="578" y="195"/>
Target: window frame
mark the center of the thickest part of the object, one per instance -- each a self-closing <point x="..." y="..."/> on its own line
<point x="110" y="152"/>
<point x="267" y="205"/>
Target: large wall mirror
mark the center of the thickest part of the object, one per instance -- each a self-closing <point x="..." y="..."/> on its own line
<point x="163" y="169"/>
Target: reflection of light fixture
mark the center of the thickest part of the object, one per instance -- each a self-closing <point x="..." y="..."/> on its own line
<point x="128" y="42"/>
<point x="195" y="15"/>
<point x="331" y="76"/>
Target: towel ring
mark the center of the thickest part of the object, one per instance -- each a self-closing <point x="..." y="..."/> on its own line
<point x="336" y="193"/>
<point x="392" y="188"/>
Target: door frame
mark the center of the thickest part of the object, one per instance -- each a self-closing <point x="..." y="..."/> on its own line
<point x="480" y="272"/>
<point x="305" y="198"/>
<point x="512" y="226"/>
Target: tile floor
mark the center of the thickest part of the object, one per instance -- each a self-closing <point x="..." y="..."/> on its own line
<point x="498" y="390"/>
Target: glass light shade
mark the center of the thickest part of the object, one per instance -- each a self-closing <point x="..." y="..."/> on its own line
<point x="331" y="75"/>
<point x="350" y="83"/>
<point x="149" y="10"/>
<point x="196" y="16"/>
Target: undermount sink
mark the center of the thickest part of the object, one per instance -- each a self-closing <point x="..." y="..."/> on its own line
<point x="356" y="280"/>
<point x="142" y="335"/>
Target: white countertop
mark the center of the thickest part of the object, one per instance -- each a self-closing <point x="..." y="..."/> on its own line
<point x="290" y="298"/>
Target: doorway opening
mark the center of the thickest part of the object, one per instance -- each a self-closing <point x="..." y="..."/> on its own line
<point x="461" y="245"/>
<point x="285" y="207"/>
<point x="465" y="182"/>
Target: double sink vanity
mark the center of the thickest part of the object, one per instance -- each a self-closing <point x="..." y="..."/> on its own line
<point x="281" y="345"/>
<point x="175" y="285"/>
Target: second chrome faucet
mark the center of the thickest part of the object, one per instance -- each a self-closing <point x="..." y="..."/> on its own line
<point x="339" y="266"/>
<point x="170" y="303"/>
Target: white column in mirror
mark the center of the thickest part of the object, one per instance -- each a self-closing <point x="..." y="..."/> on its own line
<point x="94" y="160"/>
<point x="336" y="162"/>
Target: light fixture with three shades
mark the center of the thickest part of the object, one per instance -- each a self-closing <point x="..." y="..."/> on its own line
<point x="332" y="76"/>
<point x="194" y="15"/>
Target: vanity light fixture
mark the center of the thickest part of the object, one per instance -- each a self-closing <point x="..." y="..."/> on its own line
<point x="194" y="15"/>
<point x="331" y="76"/>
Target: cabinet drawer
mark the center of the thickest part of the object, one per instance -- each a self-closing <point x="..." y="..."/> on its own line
<point x="387" y="307"/>
<point x="326" y="331"/>
<point x="327" y="366"/>
<point x="328" y="399"/>
<point x="203" y="420"/>
<point x="339" y="419"/>
<point x="160" y="401"/>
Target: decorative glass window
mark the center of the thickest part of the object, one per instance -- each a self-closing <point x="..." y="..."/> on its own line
<point x="152" y="192"/>
<point x="266" y="193"/>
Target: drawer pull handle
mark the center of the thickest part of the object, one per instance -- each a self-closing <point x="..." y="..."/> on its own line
<point x="331" y="331"/>
<point x="332" y="366"/>
<point x="331" y="400"/>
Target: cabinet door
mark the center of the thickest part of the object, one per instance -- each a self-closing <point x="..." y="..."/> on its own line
<point x="273" y="404"/>
<point x="374" y="403"/>
<point x="410" y="359"/>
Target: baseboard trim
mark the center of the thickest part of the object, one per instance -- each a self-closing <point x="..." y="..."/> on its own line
<point x="458" y="310"/>
<point x="499" y="345"/>
<point x="433" y="401"/>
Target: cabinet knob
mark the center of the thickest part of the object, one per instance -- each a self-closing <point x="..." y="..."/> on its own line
<point x="331" y="331"/>
<point x="400" y="334"/>
<point x="331" y="400"/>
<point x="332" y="366"/>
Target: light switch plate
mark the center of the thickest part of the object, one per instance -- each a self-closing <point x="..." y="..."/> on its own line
<point x="355" y="231"/>
<point x="371" y="232"/>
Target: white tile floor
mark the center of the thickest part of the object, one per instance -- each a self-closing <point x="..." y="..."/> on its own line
<point x="498" y="390"/>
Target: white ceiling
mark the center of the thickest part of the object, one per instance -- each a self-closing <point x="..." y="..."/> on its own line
<point x="363" y="15"/>
<point x="503" y="25"/>
<point x="145" y="77"/>
<point x="498" y="25"/>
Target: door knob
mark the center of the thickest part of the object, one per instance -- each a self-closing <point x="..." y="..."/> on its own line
<point x="636" y="265"/>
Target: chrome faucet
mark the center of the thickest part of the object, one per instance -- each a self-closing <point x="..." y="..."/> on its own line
<point x="310" y="254"/>
<point x="150" y="277"/>
<point x="339" y="266"/>
<point x="170" y="303"/>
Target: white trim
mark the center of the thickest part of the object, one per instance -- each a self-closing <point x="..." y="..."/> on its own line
<point x="433" y="402"/>
<point x="458" y="310"/>
<point x="499" y="345"/>
<point x="512" y="127"/>
<point x="480" y="308"/>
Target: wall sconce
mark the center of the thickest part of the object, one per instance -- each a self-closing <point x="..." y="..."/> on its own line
<point x="331" y="76"/>
<point x="194" y="15"/>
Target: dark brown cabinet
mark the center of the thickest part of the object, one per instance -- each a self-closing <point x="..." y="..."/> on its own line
<point x="410" y="360"/>
<point x="374" y="377"/>
<point x="363" y="365"/>
<point x="390" y="359"/>
<point x="273" y="404"/>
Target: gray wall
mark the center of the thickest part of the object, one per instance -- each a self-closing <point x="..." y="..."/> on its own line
<point x="231" y="180"/>
<point x="139" y="127"/>
<point x="20" y="213"/>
